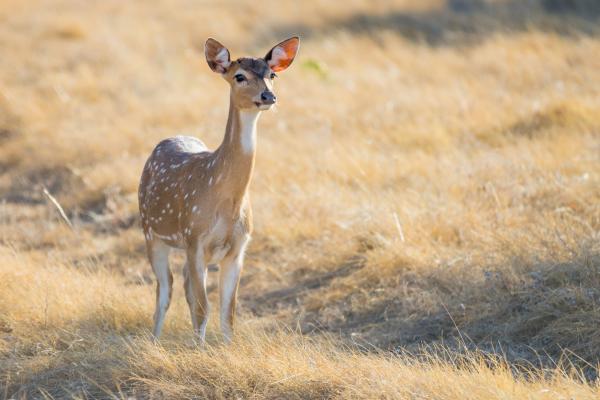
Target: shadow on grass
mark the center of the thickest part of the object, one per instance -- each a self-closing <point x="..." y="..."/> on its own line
<point x="289" y="295"/>
<point x="531" y="314"/>
<point x="462" y="22"/>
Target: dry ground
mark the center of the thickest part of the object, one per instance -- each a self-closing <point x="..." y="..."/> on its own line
<point x="430" y="184"/>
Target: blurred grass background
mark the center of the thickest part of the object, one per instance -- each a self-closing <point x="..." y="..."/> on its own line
<point x="429" y="183"/>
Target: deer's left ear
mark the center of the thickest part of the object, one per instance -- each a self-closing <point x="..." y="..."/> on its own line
<point x="281" y="56"/>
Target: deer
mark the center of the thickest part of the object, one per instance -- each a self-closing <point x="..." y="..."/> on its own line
<point x="197" y="200"/>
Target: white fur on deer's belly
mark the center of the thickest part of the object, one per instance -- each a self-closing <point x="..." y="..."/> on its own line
<point x="173" y="240"/>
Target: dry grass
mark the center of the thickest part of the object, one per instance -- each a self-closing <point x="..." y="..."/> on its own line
<point x="75" y="336"/>
<point x="431" y="178"/>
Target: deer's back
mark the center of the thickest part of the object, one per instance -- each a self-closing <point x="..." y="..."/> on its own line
<point x="166" y="187"/>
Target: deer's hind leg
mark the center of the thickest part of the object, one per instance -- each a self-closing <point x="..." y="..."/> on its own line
<point x="189" y="293"/>
<point x="195" y="273"/>
<point x="158" y="253"/>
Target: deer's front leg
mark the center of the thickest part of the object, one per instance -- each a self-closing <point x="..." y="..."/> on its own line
<point x="195" y="287"/>
<point x="229" y="279"/>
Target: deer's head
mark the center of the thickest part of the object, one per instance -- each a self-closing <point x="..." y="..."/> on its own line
<point x="251" y="79"/>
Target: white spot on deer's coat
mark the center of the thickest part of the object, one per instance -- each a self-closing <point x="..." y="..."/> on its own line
<point x="163" y="237"/>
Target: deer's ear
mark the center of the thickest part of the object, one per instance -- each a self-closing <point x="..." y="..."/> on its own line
<point x="217" y="56"/>
<point x="281" y="56"/>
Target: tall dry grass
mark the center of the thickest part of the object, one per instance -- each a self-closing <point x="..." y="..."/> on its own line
<point x="76" y="336"/>
<point x="430" y="177"/>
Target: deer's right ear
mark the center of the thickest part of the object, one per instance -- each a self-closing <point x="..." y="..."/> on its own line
<point x="217" y="56"/>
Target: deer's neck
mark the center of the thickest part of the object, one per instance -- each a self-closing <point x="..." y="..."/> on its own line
<point x="235" y="156"/>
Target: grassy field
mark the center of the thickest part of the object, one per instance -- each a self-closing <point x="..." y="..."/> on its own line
<point x="426" y="199"/>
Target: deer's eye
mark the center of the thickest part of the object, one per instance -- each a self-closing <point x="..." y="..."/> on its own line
<point x="273" y="75"/>
<point x="239" y="78"/>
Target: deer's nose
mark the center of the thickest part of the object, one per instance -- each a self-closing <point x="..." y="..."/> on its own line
<point x="268" y="97"/>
